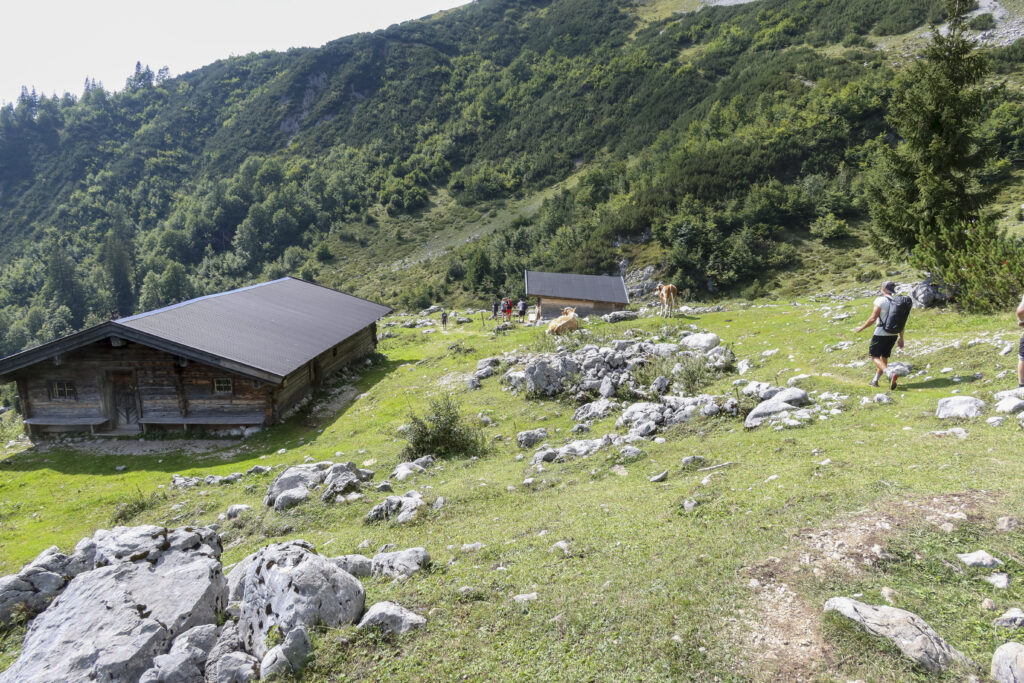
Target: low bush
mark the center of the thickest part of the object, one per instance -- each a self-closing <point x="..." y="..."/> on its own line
<point x="444" y="432"/>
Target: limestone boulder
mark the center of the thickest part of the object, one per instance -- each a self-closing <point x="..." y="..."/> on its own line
<point x="400" y="563"/>
<point x="700" y="342"/>
<point x="910" y="633"/>
<point x="959" y="407"/>
<point x="529" y="437"/>
<point x="619" y="316"/>
<point x="308" y="476"/>
<point x="390" y="617"/>
<point x="595" y="410"/>
<point x="110" y="623"/>
<point x="288" y="585"/>
<point x="399" y="509"/>
<point x="1008" y="663"/>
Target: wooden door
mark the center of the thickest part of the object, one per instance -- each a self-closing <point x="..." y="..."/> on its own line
<point x="125" y="398"/>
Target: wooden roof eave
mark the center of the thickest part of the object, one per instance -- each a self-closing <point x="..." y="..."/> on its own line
<point x="111" y="328"/>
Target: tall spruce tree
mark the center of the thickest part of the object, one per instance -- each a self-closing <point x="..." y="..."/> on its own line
<point x="928" y="192"/>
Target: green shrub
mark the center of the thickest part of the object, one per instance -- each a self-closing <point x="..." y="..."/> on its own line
<point x="694" y="375"/>
<point x="982" y="22"/>
<point x="135" y="503"/>
<point x="444" y="432"/>
<point x="828" y="227"/>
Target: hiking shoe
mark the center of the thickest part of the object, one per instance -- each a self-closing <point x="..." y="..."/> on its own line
<point x="892" y="381"/>
<point x="874" y="382"/>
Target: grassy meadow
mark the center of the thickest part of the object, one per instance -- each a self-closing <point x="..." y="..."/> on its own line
<point x="731" y="590"/>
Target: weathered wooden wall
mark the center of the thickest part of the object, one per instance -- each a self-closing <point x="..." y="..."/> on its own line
<point x="299" y="383"/>
<point x="170" y="389"/>
<point x="166" y="388"/>
<point x="552" y="308"/>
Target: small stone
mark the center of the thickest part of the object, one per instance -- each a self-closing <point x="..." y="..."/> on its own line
<point x="1011" y="618"/>
<point x="998" y="579"/>
<point x="1007" y="523"/>
<point x="560" y="547"/>
<point x="524" y="598"/>
<point x="988" y="604"/>
<point x="979" y="558"/>
<point x="472" y="547"/>
<point x="660" y="477"/>
<point x="889" y="594"/>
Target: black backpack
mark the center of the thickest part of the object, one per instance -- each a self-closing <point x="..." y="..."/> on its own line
<point x="899" y="311"/>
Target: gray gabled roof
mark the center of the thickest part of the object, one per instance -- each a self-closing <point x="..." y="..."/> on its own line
<point x="604" y="288"/>
<point x="266" y="330"/>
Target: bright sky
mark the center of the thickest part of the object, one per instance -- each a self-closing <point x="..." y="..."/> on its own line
<point x="55" y="44"/>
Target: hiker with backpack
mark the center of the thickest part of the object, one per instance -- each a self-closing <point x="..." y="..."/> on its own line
<point x="1020" y="349"/>
<point x="889" y="316"/>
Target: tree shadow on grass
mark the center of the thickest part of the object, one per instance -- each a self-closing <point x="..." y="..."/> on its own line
<point x="68" y="459"/>
<point x="938" y="383"/>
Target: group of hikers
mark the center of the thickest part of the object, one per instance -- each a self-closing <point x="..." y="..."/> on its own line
<point x="889" y="316"/>
<point x="503" y="308"/>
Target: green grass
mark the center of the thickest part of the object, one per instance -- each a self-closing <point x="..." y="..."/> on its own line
<point x="641" y="571"/>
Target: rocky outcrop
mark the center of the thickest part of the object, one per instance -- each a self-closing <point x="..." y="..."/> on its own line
<point x="287" y="586"/>
<point x="399" y="509"/>
<point x="111" y="622"/>
<point x="307" y="476"/>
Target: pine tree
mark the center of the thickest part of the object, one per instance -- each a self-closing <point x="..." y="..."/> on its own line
<point x="926" y="193"/>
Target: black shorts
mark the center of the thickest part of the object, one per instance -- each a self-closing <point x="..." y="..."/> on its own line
<point x="881" y="345"/>
<point x="1020" y="349"/>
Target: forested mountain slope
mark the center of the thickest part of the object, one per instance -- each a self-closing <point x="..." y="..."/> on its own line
<point x="440" y="157"/>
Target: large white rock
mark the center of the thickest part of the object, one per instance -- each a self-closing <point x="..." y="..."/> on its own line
<point x="1008" y="663"/>
<point x="701" y="342"/>
<point x="1010" y="404"/>
<point x="910" y="633"/>
<point x="308" y="475"/>
<point x="787" y="399"/>
<point x="389" y="616"/>
<point x="962" y="407"/>
<point x="110" y="623"/>
<point x="285" y="500"/>
<point x="401" y="563"/>
<point x="288" y="585"/>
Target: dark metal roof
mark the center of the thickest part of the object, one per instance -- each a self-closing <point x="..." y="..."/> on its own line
<point x="264" y="331"/>
<point x="607" y="288"/>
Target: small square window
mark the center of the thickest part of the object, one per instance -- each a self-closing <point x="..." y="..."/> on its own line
<point x="61" y="390"/>
<point x="223" y="385"/>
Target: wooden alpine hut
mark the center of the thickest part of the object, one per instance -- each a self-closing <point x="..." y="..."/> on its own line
<point x="588" y="294"/>
<point x="235" y="359"/>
